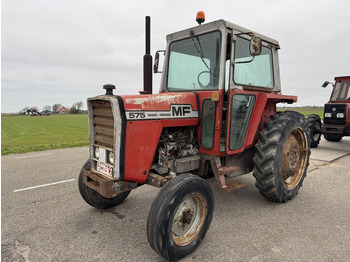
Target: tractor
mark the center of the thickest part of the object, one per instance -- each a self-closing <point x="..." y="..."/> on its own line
<point x="214" y="116"/>
<point x="336" y="116"/>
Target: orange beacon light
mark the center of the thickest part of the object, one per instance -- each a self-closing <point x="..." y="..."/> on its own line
<point x="200" y="17"/>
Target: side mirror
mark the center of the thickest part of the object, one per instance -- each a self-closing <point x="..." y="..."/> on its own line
<point x="255" y="46"/>
<point x="156" y="61"/>
<point x="325" y="84"/>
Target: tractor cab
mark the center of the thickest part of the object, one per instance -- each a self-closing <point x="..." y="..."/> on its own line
<point x="219" y="56"/>
<point x="232" y="71"/>
<point x="341" y="90"/>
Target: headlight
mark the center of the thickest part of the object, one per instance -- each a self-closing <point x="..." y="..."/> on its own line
<point x="111" y="157"/>
<point x="96" y="152"/>
<point x="327" y="114"/>
<point x="340" y="115"/>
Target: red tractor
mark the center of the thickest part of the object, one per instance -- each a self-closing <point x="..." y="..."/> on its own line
<point x="336" y="117"/>
<point x="215" y="115"/>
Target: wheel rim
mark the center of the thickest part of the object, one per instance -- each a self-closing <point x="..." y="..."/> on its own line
<point x="294" y="158"/>
<point x="188" y="219"/>
<point x="317" y="134"/>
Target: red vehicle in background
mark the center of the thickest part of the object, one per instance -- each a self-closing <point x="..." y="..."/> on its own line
<point x="336" y="116"/>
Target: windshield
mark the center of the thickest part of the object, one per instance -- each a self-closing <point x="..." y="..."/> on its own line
<point x="194" y="63"/>
<point x="341" y="91"/>
<point x="259" y="72"/>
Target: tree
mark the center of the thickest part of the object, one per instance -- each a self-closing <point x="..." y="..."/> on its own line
<point x="76" y="107"/>
<point x="24" y="110"/>
<point x="47" y="107"/>
<point x="79" y="105"/>
<point x="56" y="108"/>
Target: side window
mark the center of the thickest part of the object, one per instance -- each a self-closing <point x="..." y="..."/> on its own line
<point x="208" y="124"/>
<point x="241" y="111"/>
<point x="259" y="72"/>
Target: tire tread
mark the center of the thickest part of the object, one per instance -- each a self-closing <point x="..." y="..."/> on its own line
<point x="267" y="149"/>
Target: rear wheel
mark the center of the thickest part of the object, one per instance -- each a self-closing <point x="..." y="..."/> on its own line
<point x="282" y="156"/>
<point x="95" y="199"/>
<point x="180" y="216"/>
<point x="314" y="125"/>
<point x="332" y="138"/>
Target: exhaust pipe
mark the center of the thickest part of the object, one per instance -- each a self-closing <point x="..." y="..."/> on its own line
<point x="147" y="61"/>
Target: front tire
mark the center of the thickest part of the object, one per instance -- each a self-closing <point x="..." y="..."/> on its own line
<point x="95" y="199"/>
<point x="332" y="138"/>
<point x="282" y="156"/>
<point x="314" y="124"/>
<point x="180" y="216"/>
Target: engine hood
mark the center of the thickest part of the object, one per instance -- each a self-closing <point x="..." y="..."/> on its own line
<point x="158" y="101"/>
<point x="160" y="106"/>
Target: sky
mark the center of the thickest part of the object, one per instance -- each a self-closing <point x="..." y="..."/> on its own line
<point x="62" y="52"/>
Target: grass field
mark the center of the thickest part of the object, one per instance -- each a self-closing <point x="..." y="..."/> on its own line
<point x="23" y="133"/>
<point x="305" y="110"/>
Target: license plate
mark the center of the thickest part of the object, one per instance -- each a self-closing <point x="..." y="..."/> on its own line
<point x="103" y="168"/>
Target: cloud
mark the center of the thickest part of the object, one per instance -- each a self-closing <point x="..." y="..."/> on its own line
<point x="64" y="51"/>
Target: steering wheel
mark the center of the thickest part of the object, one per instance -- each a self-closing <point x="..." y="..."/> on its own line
<point x="200" y="83"/>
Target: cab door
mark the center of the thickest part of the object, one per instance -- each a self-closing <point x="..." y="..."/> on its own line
<point x="240" y="110"/>
<point x="210" y="122"/>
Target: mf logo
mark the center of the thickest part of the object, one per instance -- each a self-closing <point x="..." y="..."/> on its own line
<point x="180" y="110"/>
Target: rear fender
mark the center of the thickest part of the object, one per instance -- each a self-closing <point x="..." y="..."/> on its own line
<point x="265" y="108"/>
<point x="269" y="101"/>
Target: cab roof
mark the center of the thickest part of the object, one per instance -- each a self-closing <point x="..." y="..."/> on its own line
<point x="342" y="78"/>
<point x="219" y="24"/>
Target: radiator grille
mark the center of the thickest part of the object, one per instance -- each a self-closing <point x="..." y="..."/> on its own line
<point x="334" y="109"/>
<point x="103" y="123"/>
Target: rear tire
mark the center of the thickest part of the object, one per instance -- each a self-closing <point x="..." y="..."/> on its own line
<point x="282" y="156"/>
<point x="180" y="216"/>
<point x="95" y="199"/>
<point x="314" y="125"/>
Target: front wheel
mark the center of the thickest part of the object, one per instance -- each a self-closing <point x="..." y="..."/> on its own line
<point x="95" y="199"/>
<point x="314" y="124"/>
<point x="180" y="216"/>
<point x="282" y="156"/>
<point x="332" y="138"/>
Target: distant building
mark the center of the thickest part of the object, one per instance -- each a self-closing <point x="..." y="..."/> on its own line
<point x="46" y="112"/>
<point x="63" y="110"/>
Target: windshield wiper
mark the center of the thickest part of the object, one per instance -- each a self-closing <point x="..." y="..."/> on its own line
<point x="200" y="51"/>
